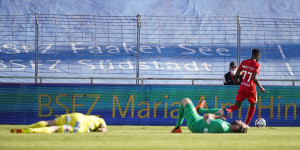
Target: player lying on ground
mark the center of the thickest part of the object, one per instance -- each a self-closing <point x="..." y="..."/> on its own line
<point x="75" y="122"/>
<point x="208" y="123"/>
<point x="250" y="69"/>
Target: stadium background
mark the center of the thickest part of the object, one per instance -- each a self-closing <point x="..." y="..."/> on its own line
<point x="187" y="43"/>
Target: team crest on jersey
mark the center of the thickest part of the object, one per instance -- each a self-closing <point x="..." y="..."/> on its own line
<point x="67" y="128"/>
<point x="224" y="125"/>
<point x="68" y="119"/>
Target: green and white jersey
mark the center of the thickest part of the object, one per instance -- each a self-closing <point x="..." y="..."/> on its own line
<point x="197" y="124"/>
<point x="216" y="126"/>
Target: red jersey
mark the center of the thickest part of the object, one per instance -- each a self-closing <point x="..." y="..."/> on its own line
<point x="248" y="68"/>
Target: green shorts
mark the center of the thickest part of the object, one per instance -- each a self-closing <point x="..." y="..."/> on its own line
<point x="194" y="121"/>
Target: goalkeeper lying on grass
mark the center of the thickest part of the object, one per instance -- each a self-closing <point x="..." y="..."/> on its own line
<point x="210" y="122"/>
<point x="75" y="122"/>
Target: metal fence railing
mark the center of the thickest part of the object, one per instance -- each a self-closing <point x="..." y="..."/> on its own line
<point x="52" y="46"/>
<point x="190" y="81"/>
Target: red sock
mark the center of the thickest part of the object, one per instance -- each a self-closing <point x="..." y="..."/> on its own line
<point x="250" y="115"/>
<point x="232" y="108"/>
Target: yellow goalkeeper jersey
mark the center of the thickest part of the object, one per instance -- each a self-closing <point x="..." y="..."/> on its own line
<point x="77" y="122"/>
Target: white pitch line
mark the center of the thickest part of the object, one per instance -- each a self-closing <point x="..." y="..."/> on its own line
<point x="286" y="64"/>
<point x="289" y="68"/>
<point x="281" y="51"/>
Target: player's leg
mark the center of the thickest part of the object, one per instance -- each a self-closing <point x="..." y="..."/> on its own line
<point x="200" y="104"/>
<point x="180" y="119"/>
<point x="216" y="111"/>
<point x="252" y="98"/>
<point x="200" y="109"/>
<point x="250" y="113"/>
<point x="193" y="119"/>
<point x="43" y="124"/>
<point x="36" y="125"/>
<point x="240" y="97"/>
<point x="50" y="129"/>
<point x="180" y="116"/>
<point x="234" y="107"/>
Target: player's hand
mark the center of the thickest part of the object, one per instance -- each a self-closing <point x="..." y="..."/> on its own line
<point x="102" y="130"/>
<point x="220" y="112"/>
<point x="220" y="117"/>
<point x="262" y="90"/>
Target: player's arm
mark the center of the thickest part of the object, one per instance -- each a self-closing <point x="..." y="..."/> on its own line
<point x="225" y="81"/>
<point x="209" y="117"/>
<point x="237" y="75"/>
<point x="255" y="79"/>
<point x="102" y="127"/>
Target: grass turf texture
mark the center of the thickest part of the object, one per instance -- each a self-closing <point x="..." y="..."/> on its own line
<point x="153" y="137"/>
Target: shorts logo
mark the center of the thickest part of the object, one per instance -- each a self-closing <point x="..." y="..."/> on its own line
<point x="77" y="126"/>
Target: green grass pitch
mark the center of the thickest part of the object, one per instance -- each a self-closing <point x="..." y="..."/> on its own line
<point x="153" y="137"/>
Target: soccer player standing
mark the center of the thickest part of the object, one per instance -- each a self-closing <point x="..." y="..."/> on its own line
<point x="250" y="70"/>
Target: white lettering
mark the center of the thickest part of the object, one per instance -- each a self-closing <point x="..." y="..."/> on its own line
<point x="95" y="51"/>
<point x="143" y="66"/>
<point x="159" y="48"/>
<point x="33" y="64"/>
<point x="157" y="65"/>
<point x="127" y="50"/>
<point x="13" y="47"/>
<point x="111" y="67"/>
<point x="128" y="63"/>
<point x="205" y="65"/>
<point x="47" y="48"/>
<point x="203" y="50"/>
<point x="172" y="66"/>
<point x="25" y="49"/>
<point x="20" y="65"/>
<point x="2" y="64"/>
<point x="114" y="50"/>
<point x="246" y="84"/>
<point x="192" y="51"/>
<point x="221" y="51"/>
<point x="74" y="48"/>
<point x="191" y="67"/>
<point x="54" y="65"/>
<point x="143" y="48"/>
<point x="248" y="67"/>
<point x="92" y="67"/>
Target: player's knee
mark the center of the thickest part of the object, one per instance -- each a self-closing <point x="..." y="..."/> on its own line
<point x="252" y="104"/>
<point x="54" y="128"/>
<point x="238" y="104"/>
<point x="186" y="101"/>
<point x="50" y="123"/>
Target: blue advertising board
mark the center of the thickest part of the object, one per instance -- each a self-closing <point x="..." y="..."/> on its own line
<point x="139" y="104"/>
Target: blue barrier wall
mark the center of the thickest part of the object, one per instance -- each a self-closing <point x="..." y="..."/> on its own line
<point x="138" y="104"/>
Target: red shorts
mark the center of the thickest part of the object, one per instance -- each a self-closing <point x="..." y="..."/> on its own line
<point x="248" y="93"/>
